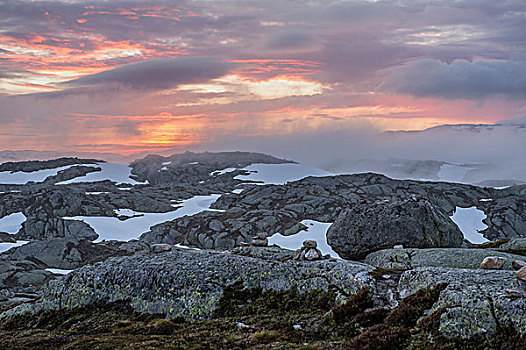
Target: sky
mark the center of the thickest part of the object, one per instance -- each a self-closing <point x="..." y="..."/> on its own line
<point x="134" y="76"/>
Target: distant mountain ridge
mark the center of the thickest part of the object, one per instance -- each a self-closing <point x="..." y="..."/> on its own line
<point x="521" y="126"/>
<point x="26" y="155"/>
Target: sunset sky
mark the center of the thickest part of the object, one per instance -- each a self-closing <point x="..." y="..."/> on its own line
<point x="130" y="76"/>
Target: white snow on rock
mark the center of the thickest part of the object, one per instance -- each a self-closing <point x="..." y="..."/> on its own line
<point x="59" y="271"/>
<point x="452" y="172"/>
<point x="316" y="231"/>
<point x="185" y="247"/>
<point x="238" y="190"/>
<point x="118" y="173"/>
<point x="111" y="228"/>
<point x="12" y="223"/>
<point x="21" y="178"/>
<point x="223" y="171"/>
<point x="279" y="174"/>
<point x="126" y="212"/>
<point x="469" y="221"/>
<point x="4" y="247"/>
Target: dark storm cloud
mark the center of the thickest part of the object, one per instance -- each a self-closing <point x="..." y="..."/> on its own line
<point x="158" y="74"/>
<point x="460" y="79"/>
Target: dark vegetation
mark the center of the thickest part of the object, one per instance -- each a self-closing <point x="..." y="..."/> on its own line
<point x="250" y="319"/>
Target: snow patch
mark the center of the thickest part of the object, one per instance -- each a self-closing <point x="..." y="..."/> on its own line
<point x="125" y="212"/>
<point x="4" y="247"/>
<point x="238" y="190"/>
<point x="21" y="178"/>
<point x="280" y="174"/>
<point x="469" y="221"/>
<point x="59" y="271"/>
<point x="111" y="228"/>
<point x="118" y="173"/>
<point x="221" y="172"/>
<point x="12" y="223"/>
<point x="185" y="247"/>
<point x="316" y="231"/>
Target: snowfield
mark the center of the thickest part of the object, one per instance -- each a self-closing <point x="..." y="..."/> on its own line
<point x="316" y="231"/>
<point x="118" y="173"/>
<point x="279" y="174"/>
<point x="111" y="228"/>
<point x="469" y="221"/>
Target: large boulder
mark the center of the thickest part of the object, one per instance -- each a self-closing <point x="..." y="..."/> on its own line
<point x="463" y="258"/>
<point x="189" y="283"/>
<point x="368" y="227"/>
<point x="35" y="228"/>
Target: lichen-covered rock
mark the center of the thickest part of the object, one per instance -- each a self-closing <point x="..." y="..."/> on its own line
<point x="462" y="258"/>
<point x="475" y="302"/>
<point x="515" y="245"/>
<point x="365" y="228"/>
<point x="190" y="283"/>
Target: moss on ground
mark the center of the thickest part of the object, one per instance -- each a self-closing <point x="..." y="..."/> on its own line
<point x="250" y="319"/>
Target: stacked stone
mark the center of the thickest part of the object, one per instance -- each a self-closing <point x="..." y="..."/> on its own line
<point x="309" y="251"/>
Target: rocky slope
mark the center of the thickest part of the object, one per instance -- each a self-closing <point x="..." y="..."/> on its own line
<point x="370" y="214"/>
<point x="190" y="284"/>
<point x="273" y="208"/>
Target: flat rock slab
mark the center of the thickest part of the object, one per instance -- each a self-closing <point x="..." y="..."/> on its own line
<point x="189" y="283"/>
<point x="476" y="302"/>
<point x="463" y="258"/>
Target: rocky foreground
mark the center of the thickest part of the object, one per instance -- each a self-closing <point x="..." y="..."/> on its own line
<point x="409" y="278"/>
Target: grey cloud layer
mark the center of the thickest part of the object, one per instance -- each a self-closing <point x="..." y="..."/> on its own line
<point x="158" y="74"/>
<point x="460" y="79"/>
